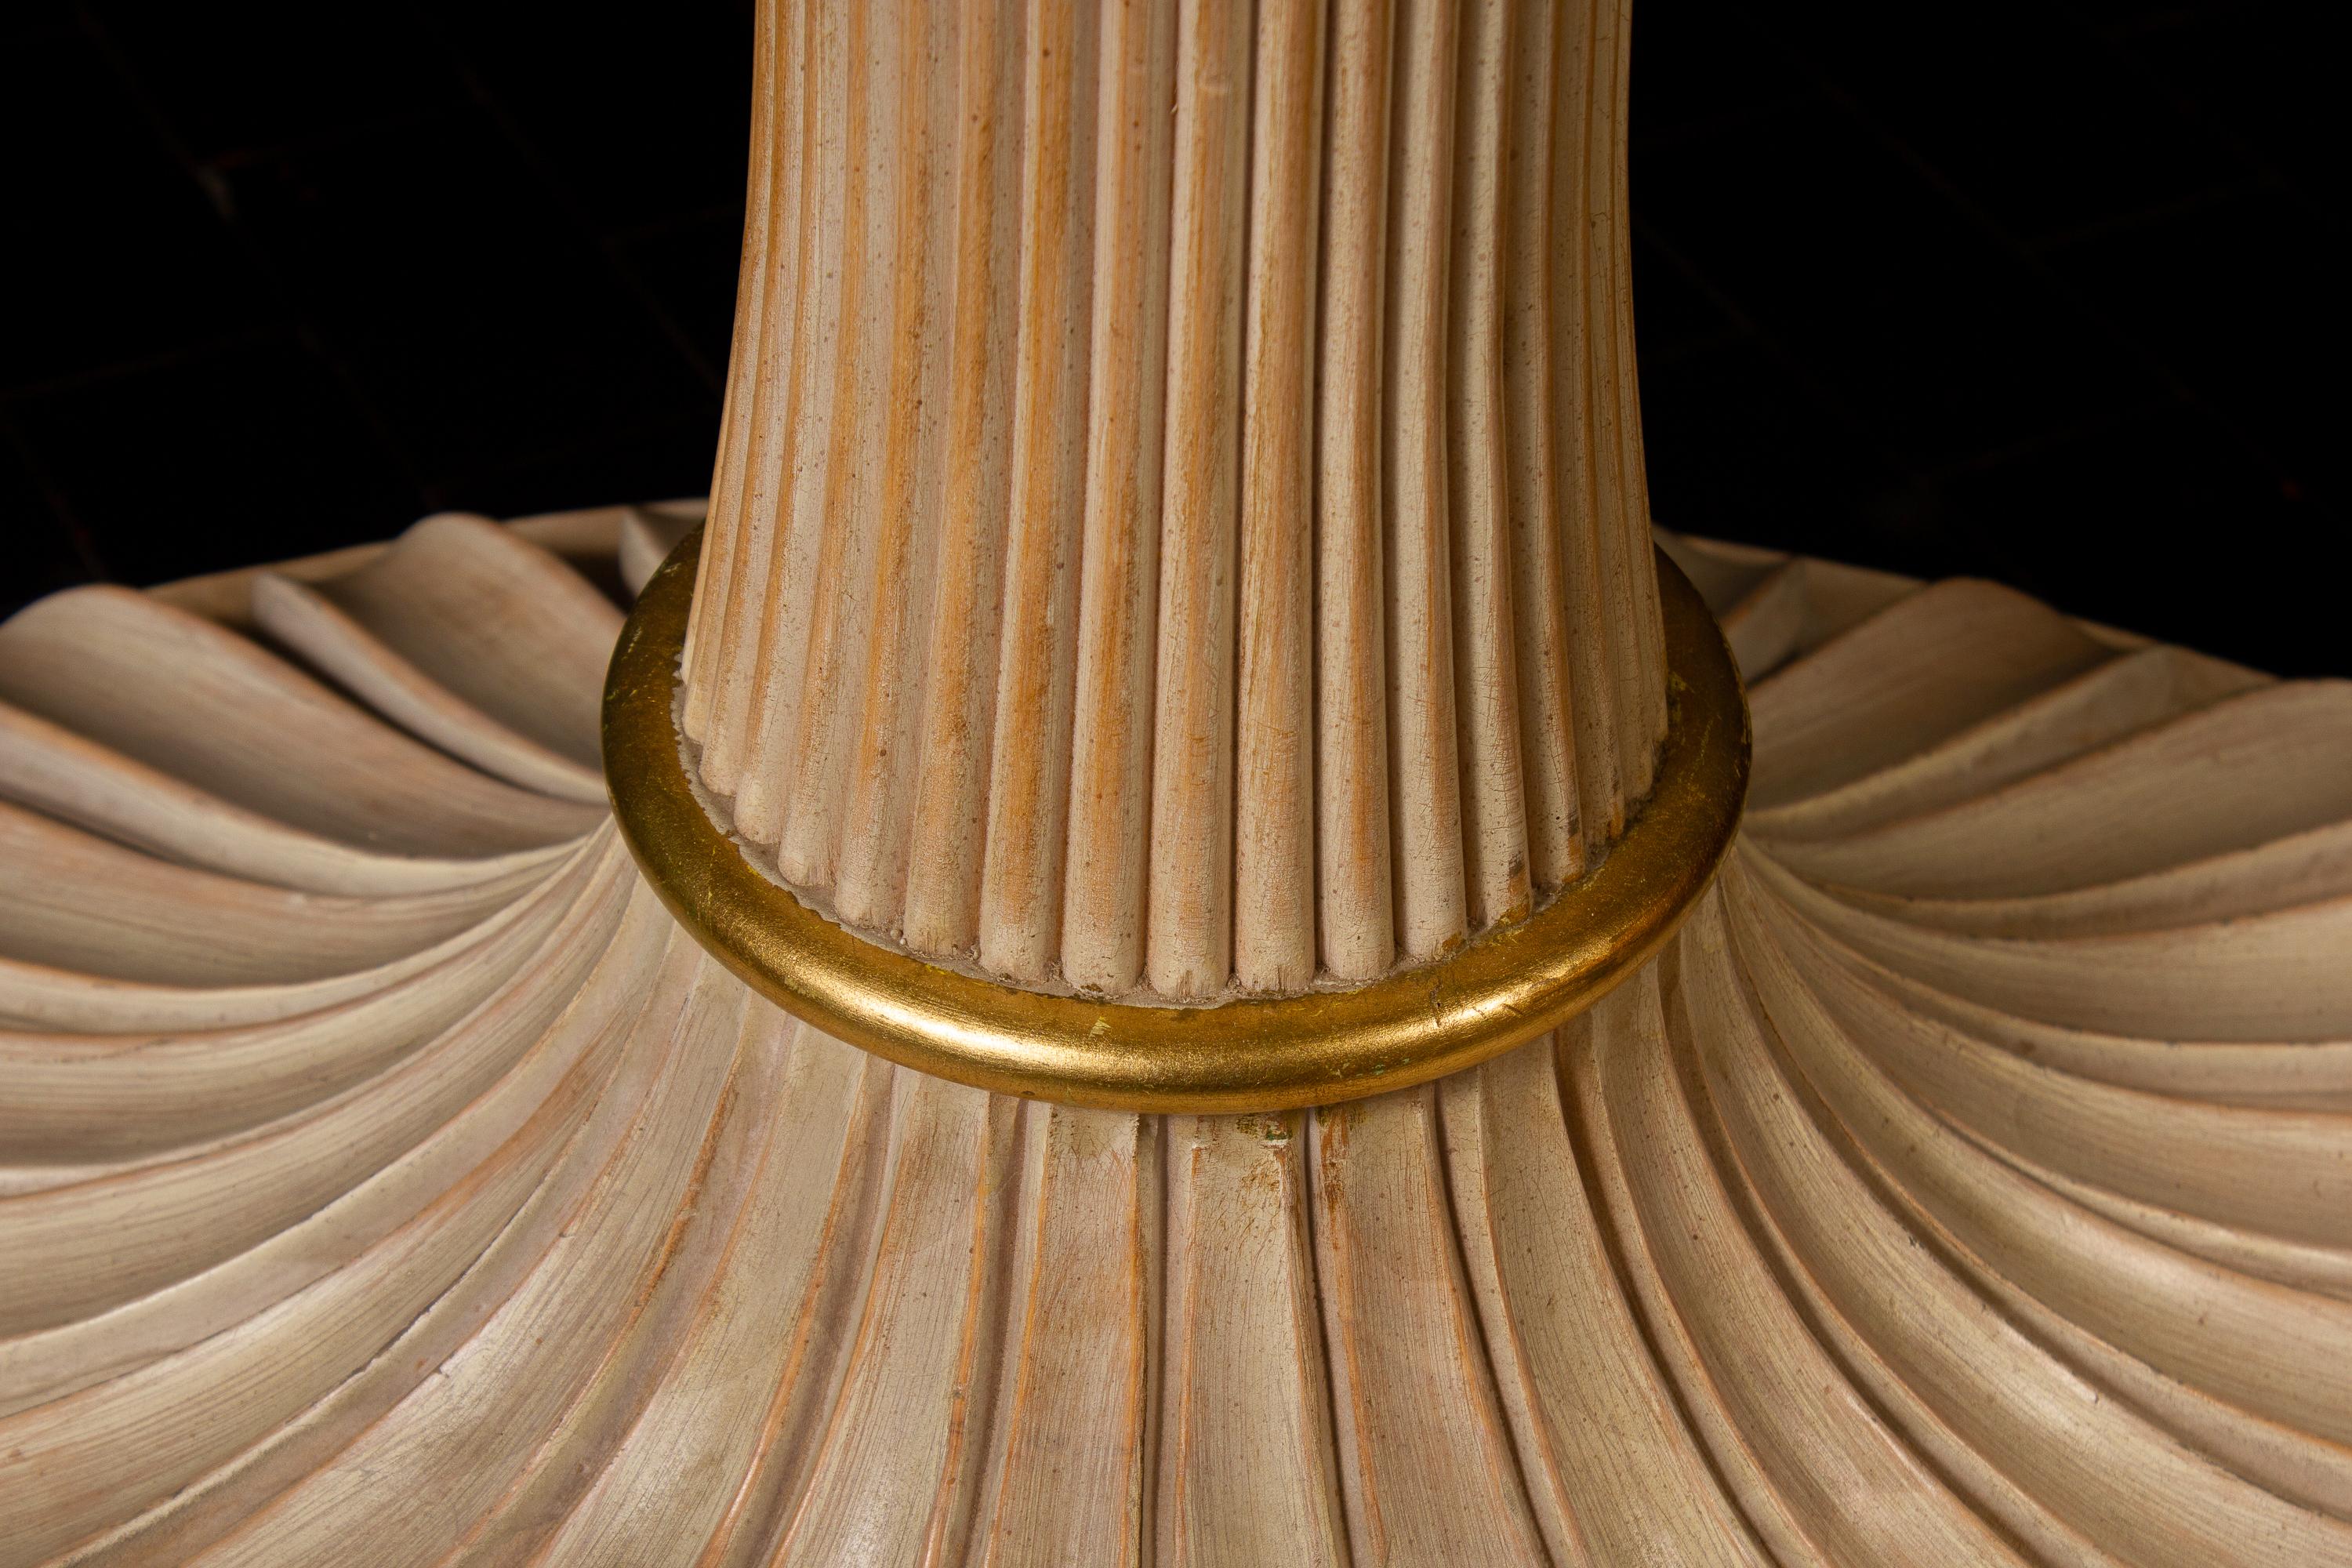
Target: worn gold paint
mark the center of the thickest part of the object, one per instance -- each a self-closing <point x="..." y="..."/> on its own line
<point x="1503" y="988"/>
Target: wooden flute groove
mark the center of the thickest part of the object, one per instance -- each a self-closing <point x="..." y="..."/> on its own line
<point x="1307" y="299"/>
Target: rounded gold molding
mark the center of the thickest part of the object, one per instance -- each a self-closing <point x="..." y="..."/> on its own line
<point x="1497" y="991"/>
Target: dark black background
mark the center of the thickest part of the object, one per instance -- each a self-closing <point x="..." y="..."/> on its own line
<point x="2051" y="291"/>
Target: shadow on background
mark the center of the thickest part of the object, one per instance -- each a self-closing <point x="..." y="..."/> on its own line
<point x="2048" y="292"/>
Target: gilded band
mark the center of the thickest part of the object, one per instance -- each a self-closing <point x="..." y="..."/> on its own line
<point x="1499" y="990"/>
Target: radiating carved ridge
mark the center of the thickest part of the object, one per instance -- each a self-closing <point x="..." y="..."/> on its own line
<point x="1972" y="1182"/>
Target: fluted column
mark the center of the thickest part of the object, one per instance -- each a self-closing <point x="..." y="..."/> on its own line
<point x="1180" y="526"/>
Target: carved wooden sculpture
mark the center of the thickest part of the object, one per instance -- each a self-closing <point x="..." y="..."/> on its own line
<point x="1177" y="544"/>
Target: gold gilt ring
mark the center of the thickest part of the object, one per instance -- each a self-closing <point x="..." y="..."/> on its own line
<point x="1496" y="991"/>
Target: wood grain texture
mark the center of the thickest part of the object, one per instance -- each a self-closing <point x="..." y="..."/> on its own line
<point x="1172" y="572"/>
<point x="1180" y="527"/>
<point x="1967" y="1183"/>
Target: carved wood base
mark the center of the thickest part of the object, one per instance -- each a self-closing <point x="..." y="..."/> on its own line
<point x="384" y="1178"/>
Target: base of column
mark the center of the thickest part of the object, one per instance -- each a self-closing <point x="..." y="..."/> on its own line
<point x="1969" y="1180"/>
<point x="1500" y="990"/>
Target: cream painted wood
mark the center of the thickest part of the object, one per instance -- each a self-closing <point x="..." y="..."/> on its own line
<point x="1967" y="1183"/>
<point x="1179" y="524"/>
<point x="1297" y="347"/>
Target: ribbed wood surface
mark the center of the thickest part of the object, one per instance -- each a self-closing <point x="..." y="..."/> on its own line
<point x="384" y="1180"/>
<point x="1178" y="524"/>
